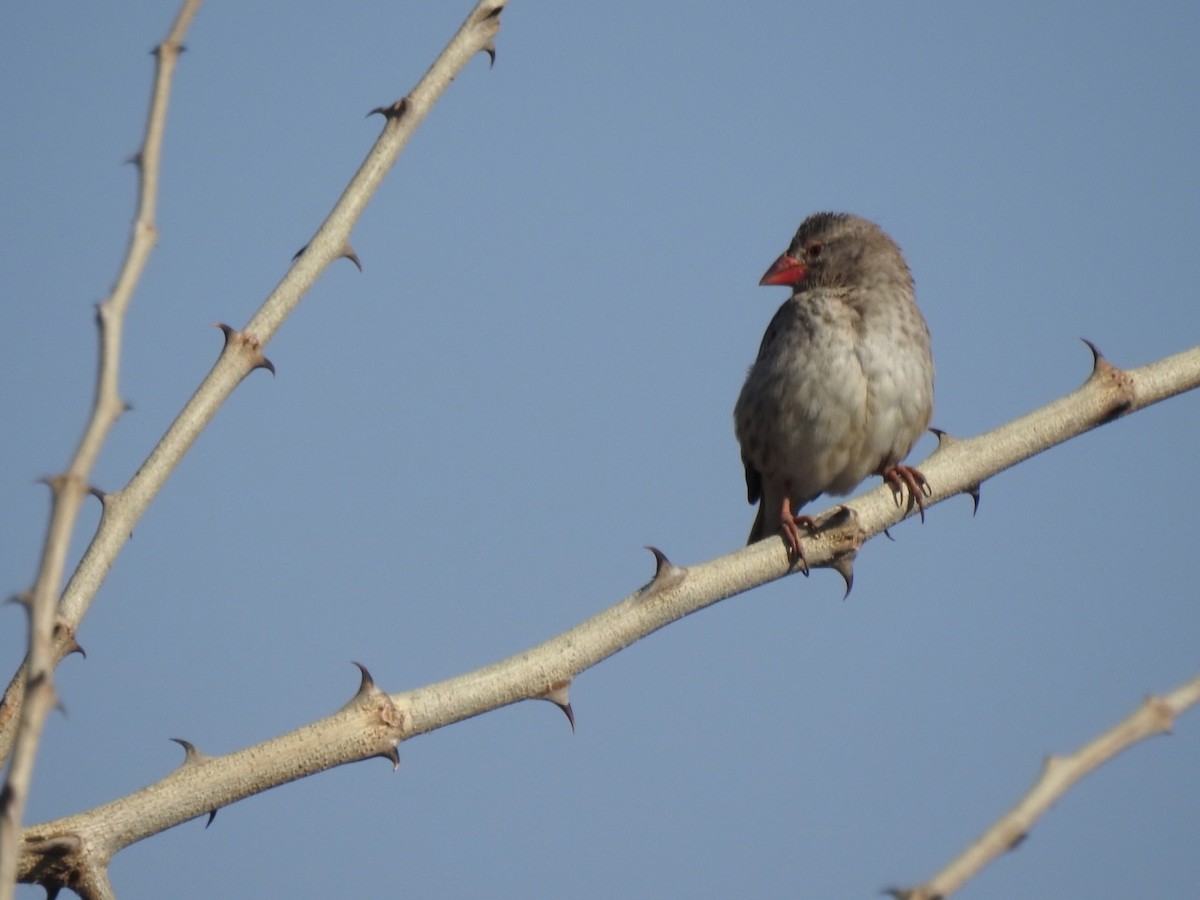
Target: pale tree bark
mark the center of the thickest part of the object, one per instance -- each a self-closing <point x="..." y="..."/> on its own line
<point x="75" y="851"/>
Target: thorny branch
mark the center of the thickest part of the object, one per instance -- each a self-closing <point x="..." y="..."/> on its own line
<point x="30" y="695"/>
<point x="75" y="851"/>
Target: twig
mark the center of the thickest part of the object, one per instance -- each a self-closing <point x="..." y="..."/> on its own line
<point x="1155" y="716"/>
<point x="31" y="696"/>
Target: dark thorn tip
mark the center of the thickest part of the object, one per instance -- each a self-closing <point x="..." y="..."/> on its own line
<point x="395" y="111"/>
<point x="264" y="363"/>
<point x="212" y="814"/>
<point x="888" y="534"/>
<point x="490" y="50"/>
<point x="660" y="559"/>
<point x="190" y="753"/>
<point x="348" y="253"/>
<point x="367" y="683"/>
<point x="392" y="755"/>
<point x="299" y="253"/>
<point x="973" y="491"/>
<point x="1097" y="356"/>
<point x="844" y="566"/>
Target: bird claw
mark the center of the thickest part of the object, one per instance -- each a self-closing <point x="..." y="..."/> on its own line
<point x="791" y="531"/>
<point x="901" y="477"/>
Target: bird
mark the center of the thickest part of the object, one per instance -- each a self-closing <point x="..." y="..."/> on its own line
<point x="842" y="387"/>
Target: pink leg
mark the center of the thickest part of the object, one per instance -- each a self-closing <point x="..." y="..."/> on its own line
<point x="791" y="531"/>
<point x="901" y="477"/>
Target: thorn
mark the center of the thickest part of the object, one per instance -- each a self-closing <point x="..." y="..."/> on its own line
<point x="65" y="634"/>
<point x="134" y="159"/>
<point x="1098" y="359"/>
<point x="299" y="253"/>
<point x="98" y="494"/>
<point x="395" y="111"/>
<point x="490" y="50"/>
<point x="666" y="574"/>
<point x="1017" y="841"/>
<point x="888" y="534"/>
<point x="944" y="438"/>
<point x="212" y="814"/>
<point x="559" y="695"/>
<point x="366" y="686"/>
<point x="190" y="753"/>
<point x="1119" y="383"/>
<point x="393" y="755"/>
<point x="844" y="566"/>
<point x="973" y="491"/>
<point x="348" y="253"/>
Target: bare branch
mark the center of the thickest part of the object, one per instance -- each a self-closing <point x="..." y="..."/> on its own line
<point x="30" y="696"/>
<point x="243" y="350"/>
<point x="1155" y="716"/>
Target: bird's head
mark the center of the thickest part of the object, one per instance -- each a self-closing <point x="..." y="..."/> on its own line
<point x="836" y="250"/>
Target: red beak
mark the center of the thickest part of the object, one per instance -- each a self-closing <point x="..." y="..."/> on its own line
<point x="786" y="270"/>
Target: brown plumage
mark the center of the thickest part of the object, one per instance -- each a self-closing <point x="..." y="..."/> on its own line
<point x="843" y="383"/>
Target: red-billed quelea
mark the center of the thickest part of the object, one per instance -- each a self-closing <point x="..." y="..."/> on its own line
<point x="843" y="384"/>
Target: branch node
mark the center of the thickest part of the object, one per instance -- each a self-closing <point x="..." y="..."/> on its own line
<point x="1118" y="382"/>
<point x="64" y="633"/>
<point x="241" y="342"/>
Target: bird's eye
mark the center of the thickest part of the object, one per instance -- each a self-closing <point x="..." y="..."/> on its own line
<point x="813" y="250"/>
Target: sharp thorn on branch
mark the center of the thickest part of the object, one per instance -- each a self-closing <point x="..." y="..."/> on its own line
<point x="366" y="686"/>
<point x="395" y="111"/>
<point x="348" y="253"/>
<point x="666" y="574"/>
<point x="299" y="253"/>
<point x="560" y="696"/>
<point x="212" y="814"/>
<point x="392" y="755"/>
<point x="844" y="566"/>
<point x="190" y="754"/>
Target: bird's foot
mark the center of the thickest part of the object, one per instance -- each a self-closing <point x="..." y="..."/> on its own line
<point x="791" y="524"/>
<point x="901" y="477"/>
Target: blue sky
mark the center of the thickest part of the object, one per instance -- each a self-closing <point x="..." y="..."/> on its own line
<point x="467" y="445"/>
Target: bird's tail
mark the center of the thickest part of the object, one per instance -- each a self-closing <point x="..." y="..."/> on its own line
<point x="756" y="530"/>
